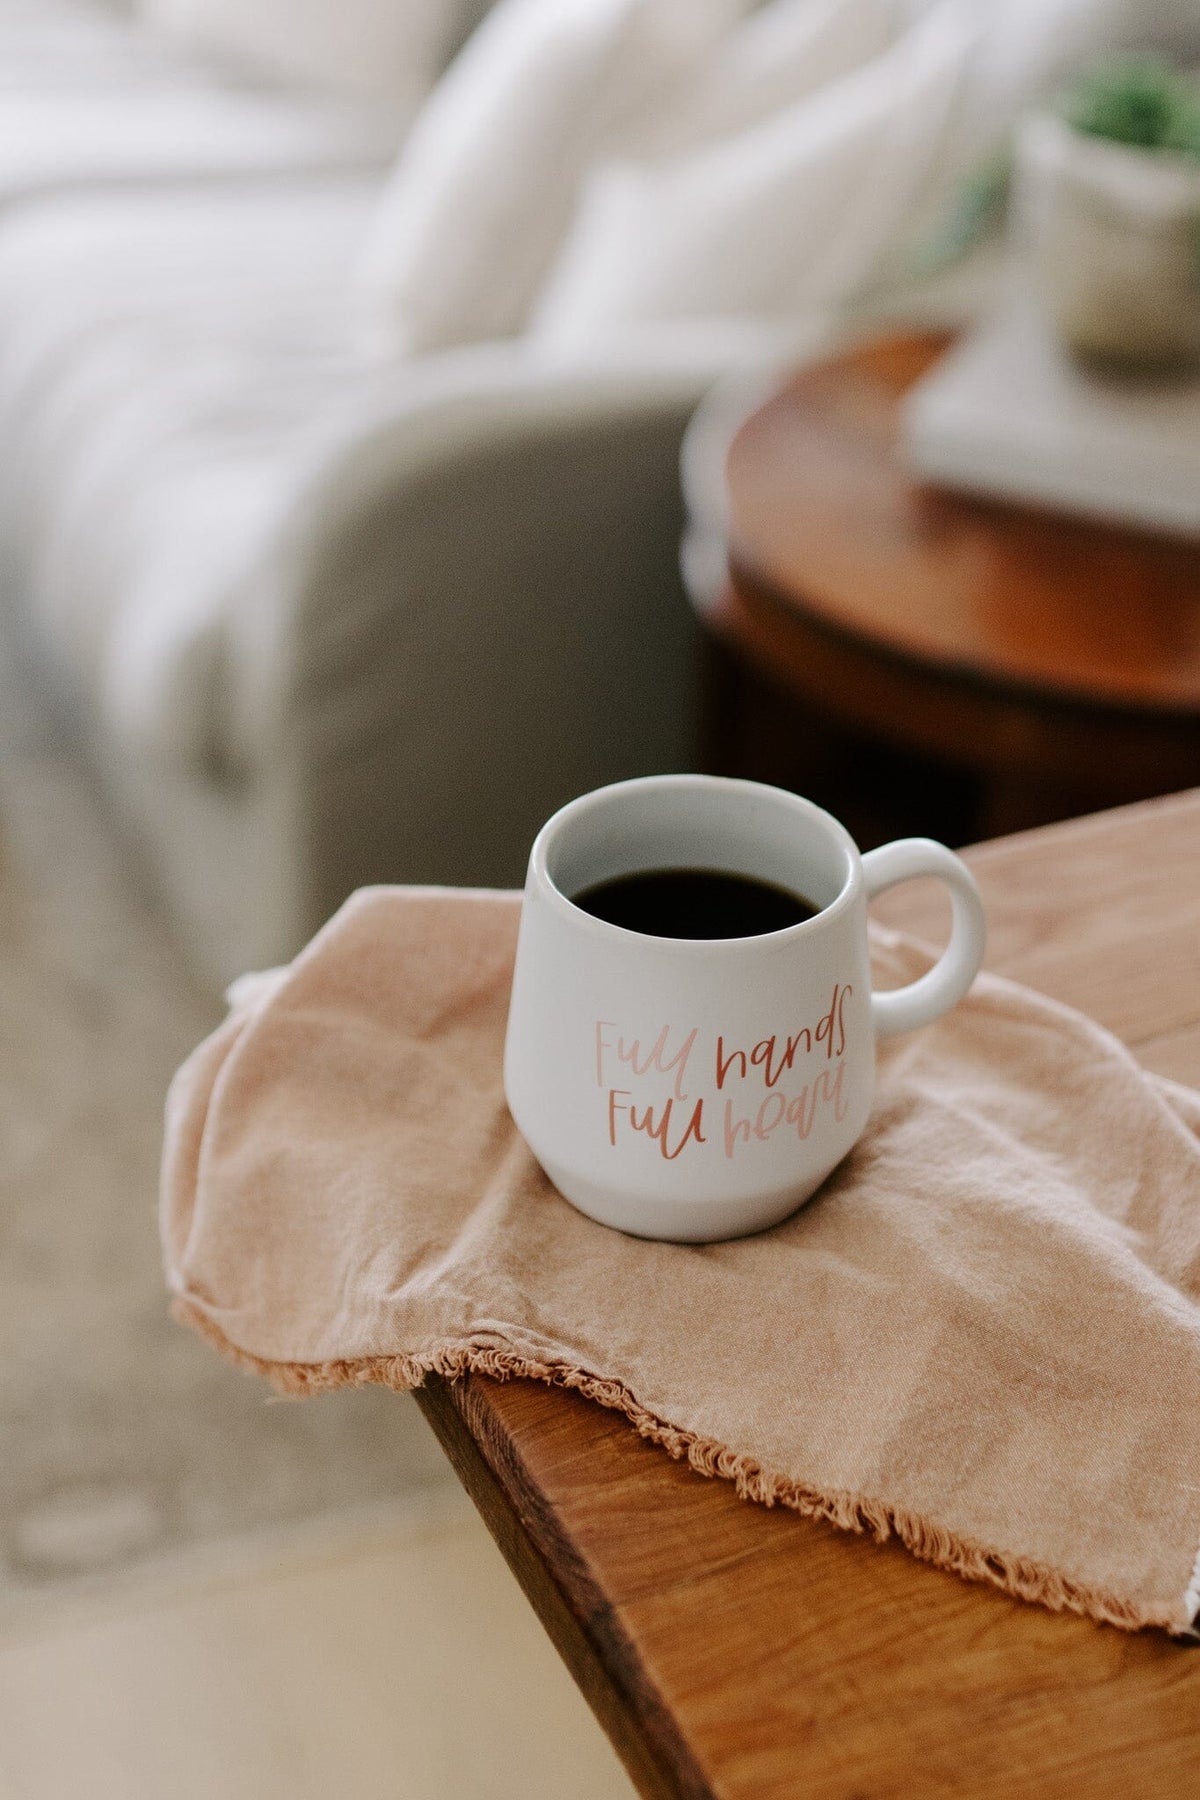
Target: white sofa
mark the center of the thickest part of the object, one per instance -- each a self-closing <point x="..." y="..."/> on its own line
<point x="323" y="619"/>
<point x="318" y="622"/>
<point x="91" y="98"/>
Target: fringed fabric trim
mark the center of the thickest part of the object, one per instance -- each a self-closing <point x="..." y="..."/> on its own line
<point x="1019" y="1576"/>
<point x="1191" y="1601"/>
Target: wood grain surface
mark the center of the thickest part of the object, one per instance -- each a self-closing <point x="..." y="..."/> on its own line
<point x="1058" y="658"/>
<point x="823" y="509"/>
<point x="749" y="1654"/>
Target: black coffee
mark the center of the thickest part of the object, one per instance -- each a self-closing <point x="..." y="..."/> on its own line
<point x="694" y="903"/>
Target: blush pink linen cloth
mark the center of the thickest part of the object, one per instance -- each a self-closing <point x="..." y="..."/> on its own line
<point x="982" y="1334"/>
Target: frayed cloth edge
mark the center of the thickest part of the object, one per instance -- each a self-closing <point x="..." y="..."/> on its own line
<point x="1191" y="1601"/>
<point x="1020" y="1577"/>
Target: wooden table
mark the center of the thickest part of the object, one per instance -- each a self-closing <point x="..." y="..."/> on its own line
<point x="750" y="1654"/>
<point x="1052" y="662"/>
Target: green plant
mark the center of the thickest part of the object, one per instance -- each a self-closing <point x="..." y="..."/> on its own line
<point x="1145" y="104"/>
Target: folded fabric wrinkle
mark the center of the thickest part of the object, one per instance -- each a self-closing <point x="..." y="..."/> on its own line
<point x="982" y="1335"/>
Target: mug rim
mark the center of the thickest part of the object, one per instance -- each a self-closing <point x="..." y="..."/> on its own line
<point x="579" y="807"/>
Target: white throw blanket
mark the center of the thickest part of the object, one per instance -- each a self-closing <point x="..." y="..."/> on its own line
<point x="795" y="157"/>
<point x="830" y="195"/>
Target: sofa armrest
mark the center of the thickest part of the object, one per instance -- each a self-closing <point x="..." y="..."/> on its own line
<point x="478" y="613"/>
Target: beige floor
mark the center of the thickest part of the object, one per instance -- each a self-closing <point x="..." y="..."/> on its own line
<point x="203" y="1596"/>
<point x="397" y="1661"/>
<point x="123" y="1437"/>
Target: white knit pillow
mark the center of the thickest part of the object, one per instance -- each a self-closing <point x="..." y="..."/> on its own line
<point x="781" y="52"/>
<point x="376" y="49"/>
<point x="487" y="179"/>
<point x="808" y="169"/>
<point x="791" y="216"/>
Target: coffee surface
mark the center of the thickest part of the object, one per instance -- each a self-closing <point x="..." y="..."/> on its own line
<point x="694" y="903"/>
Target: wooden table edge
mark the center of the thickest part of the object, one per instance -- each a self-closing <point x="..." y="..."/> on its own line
<point x="1089" y="825"/>
<point x="755" y="586"/>
<point x="580" y="1621"/>
<point x="801" y="599"/>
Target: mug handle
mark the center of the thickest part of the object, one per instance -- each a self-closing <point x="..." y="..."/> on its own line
<point x="943" y="986"/>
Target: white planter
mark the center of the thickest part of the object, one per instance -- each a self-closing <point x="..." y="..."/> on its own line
<point x="1113" y="234"/>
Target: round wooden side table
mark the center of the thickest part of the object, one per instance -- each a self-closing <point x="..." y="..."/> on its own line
<point x="990" y="667"/>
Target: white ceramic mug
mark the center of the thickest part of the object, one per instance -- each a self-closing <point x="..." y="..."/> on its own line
<point x="701" y="1089"/>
